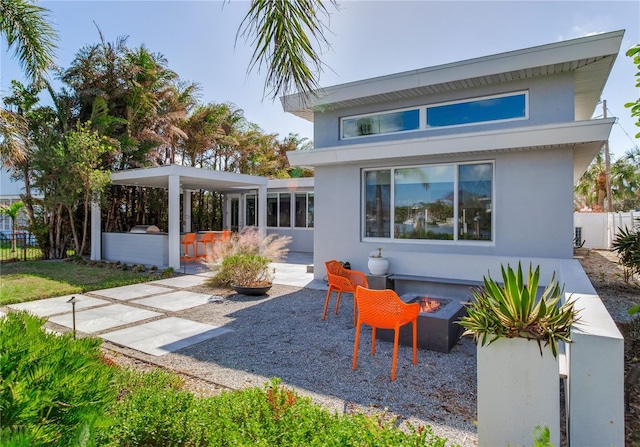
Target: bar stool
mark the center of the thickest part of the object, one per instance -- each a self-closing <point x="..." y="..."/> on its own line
<point x="189" y="240"/>
<point x="207" y="239"/>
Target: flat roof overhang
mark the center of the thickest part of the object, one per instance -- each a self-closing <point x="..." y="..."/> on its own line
<point x="590" y="58"/>
<point x="191" y="178"/>
<point x="586" y="138"/>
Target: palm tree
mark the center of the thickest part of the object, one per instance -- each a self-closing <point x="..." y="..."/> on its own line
<point x="12" y="211"/>
<point x="28" y="32"/>
<point x="282" y="32"/>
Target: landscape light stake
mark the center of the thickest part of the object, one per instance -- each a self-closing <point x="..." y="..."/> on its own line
<point x="73" y="301"/>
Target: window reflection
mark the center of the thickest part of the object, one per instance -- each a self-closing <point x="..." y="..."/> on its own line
<point x="474" y="213"/>
<point x="423" y="207"/>
<point x="428" y="200"/>
<point x="378" y="203"/>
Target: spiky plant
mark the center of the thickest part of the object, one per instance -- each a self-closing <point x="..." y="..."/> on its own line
<point x="513" y="310"/>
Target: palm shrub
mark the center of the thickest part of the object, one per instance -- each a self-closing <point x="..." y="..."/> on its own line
<point x="627" y="245"/>
<point x="54" y="390"/>
<point x="513" y="310"/>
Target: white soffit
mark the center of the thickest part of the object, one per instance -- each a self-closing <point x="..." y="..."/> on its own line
<point x="191" y="178"/>
<point x="591" y="58"/>
<point x="525" y="138"/>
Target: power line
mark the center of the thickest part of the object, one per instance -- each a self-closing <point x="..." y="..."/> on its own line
<point x="635" y="145"/>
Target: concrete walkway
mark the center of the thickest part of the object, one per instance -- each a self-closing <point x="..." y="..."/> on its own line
<point x="148" y="326"/>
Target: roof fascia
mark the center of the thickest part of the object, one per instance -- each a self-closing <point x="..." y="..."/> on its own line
<point x="570" y="133"/>
<point x="606" y="44"/>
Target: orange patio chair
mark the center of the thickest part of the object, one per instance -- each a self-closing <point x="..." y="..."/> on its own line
<point x="342" y="280"/>
<point x="383" y="309"/>
<point x="189" y="240"/>
<point x="207" y="239"/>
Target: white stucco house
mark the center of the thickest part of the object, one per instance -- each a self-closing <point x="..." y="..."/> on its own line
<point x="455" y="169"/>
<point x="476" y="157"/>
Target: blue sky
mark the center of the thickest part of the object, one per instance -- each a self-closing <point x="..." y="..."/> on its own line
<point x="368" y="39"/>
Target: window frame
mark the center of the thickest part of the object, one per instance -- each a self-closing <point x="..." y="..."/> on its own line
<point x="307" y="194"/>
<point x="456" y="218"/>
<point x="524" y="93"/>
<point x="423" y="111"/>
<point x="421" y="119"/>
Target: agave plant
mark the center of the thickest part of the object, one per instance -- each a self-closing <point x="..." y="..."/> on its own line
<point x="514" y="310"/>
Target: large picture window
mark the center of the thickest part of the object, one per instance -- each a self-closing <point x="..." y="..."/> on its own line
<point x="433" y="202"/>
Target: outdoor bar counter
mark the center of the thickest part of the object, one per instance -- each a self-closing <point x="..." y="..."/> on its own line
<point x="139" y="248"/>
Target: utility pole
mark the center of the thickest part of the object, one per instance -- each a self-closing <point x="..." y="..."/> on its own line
<point x="607" y="162"/>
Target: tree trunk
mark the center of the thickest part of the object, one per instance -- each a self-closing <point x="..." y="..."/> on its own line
<point x="74" y="232"/>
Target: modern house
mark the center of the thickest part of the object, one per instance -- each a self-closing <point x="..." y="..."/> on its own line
<point x="456" y="169"/>
<point x="472" y="158"/>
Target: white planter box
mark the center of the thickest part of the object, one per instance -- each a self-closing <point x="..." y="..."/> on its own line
<point x="517" y="390"/>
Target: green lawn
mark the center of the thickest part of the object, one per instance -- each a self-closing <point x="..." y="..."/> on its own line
<point x="33" y="280"/>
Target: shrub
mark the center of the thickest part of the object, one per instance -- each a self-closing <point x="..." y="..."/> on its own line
<point x="54" y="389"/>
<point x="244" y="258"/>
<point x="244" y="270"/>
<point x="154" y="411"/>
<point x="627" y="245"/>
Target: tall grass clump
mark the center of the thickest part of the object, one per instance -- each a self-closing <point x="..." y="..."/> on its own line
<point x="244" y="258"/>
<point x="54" y="390"/>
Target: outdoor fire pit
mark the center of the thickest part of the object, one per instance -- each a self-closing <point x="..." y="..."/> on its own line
<point x="437" y="327"/>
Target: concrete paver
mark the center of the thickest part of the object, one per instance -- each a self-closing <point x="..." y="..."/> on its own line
<point x="177" y="301"/>
<point x="103" y="318"/>
<point x="163" y="336"/>
<point x="132" y="291"/>
<point x="181" y="281"/>
<point x="58" y="305"/>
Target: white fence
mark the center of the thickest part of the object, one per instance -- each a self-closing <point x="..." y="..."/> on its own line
<point x="599" y="230"/>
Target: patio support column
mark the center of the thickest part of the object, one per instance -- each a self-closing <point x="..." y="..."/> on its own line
<point x="186" y="210"/>
<point x="262" y="210"/>
<point x="96" y="232"/>
<point x="174" y="222"/>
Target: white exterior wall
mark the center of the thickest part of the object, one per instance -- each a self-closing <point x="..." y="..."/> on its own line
<point x="599" y="230"/>
<point x="526" y="223"/>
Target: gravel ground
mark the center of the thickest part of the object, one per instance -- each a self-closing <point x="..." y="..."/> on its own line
<point x="282" y="335"/>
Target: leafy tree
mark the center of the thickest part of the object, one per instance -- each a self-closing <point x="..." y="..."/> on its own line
<point x="634" y="52"/>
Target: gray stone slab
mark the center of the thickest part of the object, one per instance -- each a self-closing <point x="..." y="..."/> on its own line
<point x="181" y="281"/>
<point x="176" y="301"/>
<point x="103" y="318"/>
<point x="58" y="305"/>
<point x="132" y="291"/>
<point x="164" y="336"/>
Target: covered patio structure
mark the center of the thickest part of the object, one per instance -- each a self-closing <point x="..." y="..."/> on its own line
<point x="179" y="179"/>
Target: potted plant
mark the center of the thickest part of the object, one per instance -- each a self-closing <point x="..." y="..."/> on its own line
<point x="377" y="264"/>
<point x="519" y="331"/>
<point x="242" y="262"/>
